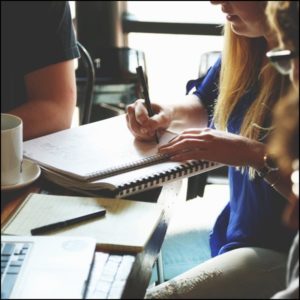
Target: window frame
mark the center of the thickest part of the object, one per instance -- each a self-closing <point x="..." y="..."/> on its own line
<point x="130" y="24"/>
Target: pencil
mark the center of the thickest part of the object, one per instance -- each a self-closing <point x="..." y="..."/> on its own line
<point x="140" y="74"/>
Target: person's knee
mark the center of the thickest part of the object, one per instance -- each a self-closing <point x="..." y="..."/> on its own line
<point x="258" y="258"/>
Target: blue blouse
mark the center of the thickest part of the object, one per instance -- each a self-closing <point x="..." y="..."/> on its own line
<point x="253" y="215"/>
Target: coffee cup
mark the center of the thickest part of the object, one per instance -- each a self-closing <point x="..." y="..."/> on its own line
<point x="11" y="149"/>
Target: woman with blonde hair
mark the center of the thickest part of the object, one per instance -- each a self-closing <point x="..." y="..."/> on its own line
<point x="249" y="244"/>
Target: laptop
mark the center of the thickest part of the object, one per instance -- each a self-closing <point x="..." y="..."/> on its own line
<point x="60" y="267"/>
<point x="45" y="267"/>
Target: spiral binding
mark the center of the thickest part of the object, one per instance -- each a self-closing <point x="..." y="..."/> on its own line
<point x="150" y="160"/>
<point x="158" y="179"/>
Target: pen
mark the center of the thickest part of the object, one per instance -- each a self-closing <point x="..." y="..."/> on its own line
<point x="141" y="77"/>
<point x="63" y="224"/>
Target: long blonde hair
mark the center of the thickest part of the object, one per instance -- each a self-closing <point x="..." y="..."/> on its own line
<point x="283" y="17"/>
<point x="243" y="68"/>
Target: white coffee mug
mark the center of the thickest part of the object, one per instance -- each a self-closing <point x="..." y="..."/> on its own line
<point x="11" y="149"/>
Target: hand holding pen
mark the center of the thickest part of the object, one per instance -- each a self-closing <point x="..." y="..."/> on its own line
<point x="141" y="77"/>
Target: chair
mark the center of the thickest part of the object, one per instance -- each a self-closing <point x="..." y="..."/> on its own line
<point x="85" y="101"/>
<point x="116" y="81"/>
<point x="118" y="64"/>
<point x="207" y="59"/>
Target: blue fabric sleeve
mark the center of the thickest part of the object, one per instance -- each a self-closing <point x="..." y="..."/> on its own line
<point x="207" y="88"/>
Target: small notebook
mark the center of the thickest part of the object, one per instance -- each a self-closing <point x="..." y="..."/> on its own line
<point x="105" y="156"/>
<point x="126" y="226"/>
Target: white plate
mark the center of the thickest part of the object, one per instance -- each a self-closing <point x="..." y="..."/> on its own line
<point x="30" y="172"/>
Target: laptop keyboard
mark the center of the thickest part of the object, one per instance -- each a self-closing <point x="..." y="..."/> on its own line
<point x="107" y="280"/>
<point x="12" y="258"/>
<point x="109" y="275"/>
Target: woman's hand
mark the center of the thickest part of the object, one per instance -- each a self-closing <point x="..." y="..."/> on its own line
<point x="214" y="145"/>
<point x="144" y="127"/>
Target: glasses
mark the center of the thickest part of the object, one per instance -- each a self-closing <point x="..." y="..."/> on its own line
<point x="281" y="59"/>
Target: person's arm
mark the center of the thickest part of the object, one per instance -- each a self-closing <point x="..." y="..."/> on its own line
<point x="51" y="100"/>
<point x="276" y="179"/>
<point x="223" y="147"/>
<point x="189" y="112"/>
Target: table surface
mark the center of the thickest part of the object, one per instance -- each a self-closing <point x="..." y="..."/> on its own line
<point x="141" y="272"/>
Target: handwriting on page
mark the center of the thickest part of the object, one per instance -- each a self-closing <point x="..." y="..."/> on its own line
<point x="88" y="149"/>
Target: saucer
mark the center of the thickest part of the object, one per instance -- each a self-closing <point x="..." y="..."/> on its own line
<point x="30" y="172"/>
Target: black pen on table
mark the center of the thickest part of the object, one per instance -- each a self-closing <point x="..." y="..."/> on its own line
<point x="66" y="223"/>
<point x="140" y="74"/>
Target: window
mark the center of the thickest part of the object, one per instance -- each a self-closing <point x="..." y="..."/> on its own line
<point x="72" y="9"/>
<point x="173" y="59"/>
<point x="176" y="11"/>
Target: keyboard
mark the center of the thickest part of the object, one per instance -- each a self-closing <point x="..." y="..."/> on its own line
<point x="109" y="275"/>
<point x="13" y="256"/>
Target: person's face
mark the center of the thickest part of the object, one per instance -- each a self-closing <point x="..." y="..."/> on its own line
<point x="247" y="18"/>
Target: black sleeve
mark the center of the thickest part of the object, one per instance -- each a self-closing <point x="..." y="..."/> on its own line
<point x="50" y="37"/>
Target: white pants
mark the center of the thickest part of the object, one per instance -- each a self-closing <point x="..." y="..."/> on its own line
<point x="241" y="273"/>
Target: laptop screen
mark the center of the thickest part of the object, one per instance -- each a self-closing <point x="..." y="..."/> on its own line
<point x="45" y="266"/>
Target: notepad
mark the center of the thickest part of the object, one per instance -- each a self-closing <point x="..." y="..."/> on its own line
<point x="104" y="157"/>
<point x="127" y="225"/>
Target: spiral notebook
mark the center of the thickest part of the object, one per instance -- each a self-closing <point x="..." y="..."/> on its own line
<point x="103" y="158"/>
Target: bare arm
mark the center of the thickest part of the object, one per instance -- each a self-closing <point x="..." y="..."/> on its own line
<point x="51" y="100"/>
<point x="189" y="113"/>
<point x="223" y="147"/>
<point x="184" y="113"/>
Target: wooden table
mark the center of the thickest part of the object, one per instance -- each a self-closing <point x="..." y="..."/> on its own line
<point x="140" y="275"/>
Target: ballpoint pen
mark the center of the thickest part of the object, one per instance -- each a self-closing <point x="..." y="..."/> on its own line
<point x="141" y="77"/>
<point x="66" y="223"/>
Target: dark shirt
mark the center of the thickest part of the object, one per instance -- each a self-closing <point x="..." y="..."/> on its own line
<point x="253" y="215"/>
<point x="34" y="35"/>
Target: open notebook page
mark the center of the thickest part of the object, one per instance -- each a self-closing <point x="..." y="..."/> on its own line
<point x="91" y="148"/>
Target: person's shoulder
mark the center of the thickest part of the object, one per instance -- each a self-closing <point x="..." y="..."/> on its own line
<point x="217" y="64"/>
<point x="214" y="70"/>
<point x="58" y="7"/>
<point x="48" y="11"/>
